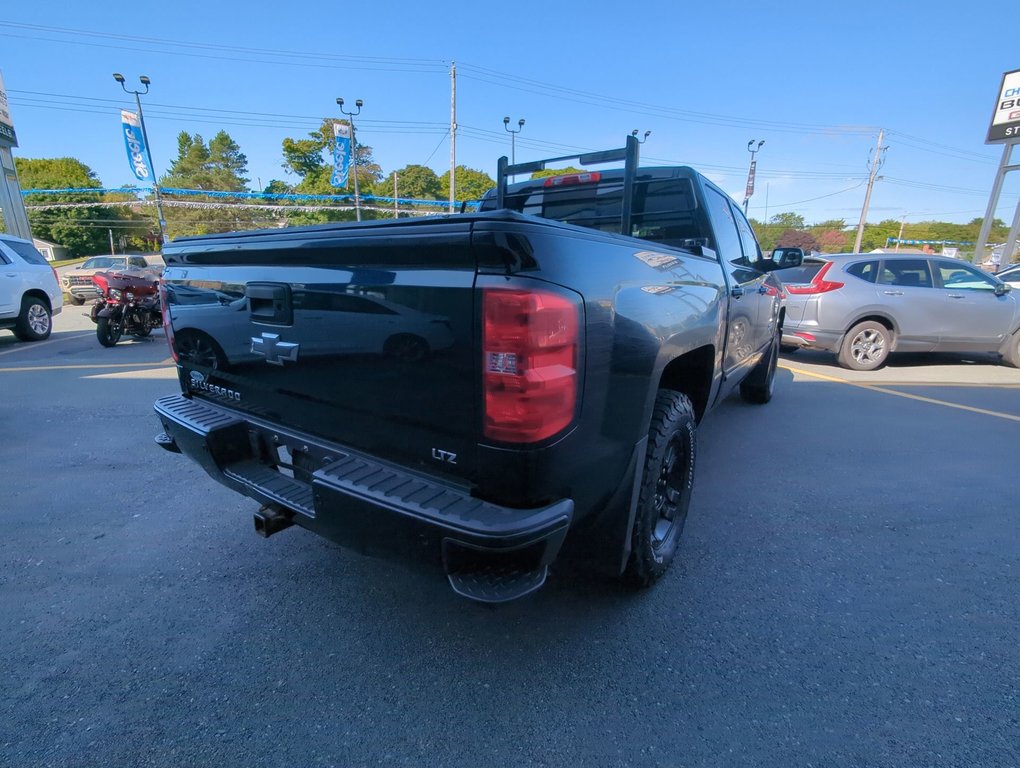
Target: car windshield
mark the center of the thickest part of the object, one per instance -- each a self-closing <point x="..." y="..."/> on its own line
<point x="102" y="262"/>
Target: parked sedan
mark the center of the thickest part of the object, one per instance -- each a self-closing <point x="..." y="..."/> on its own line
<point x="864" y="306"/>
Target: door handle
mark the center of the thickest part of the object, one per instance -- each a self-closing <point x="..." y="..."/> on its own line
<point x="955" y="295"/>
<point x="893" y="293"/>
<point x="737" y="291"/>
<point x="763" y="289"/>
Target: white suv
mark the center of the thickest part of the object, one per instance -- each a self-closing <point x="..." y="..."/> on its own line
<point x="29" y="290"/>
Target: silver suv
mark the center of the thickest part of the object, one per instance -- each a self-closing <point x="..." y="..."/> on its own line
<point x="29" y="291"/>
<point x="864" y="306"/>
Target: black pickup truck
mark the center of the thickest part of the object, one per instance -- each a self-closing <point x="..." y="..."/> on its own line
<point x="486" y="391"/>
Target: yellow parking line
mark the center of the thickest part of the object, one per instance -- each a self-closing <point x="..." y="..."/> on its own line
<point x="24" y="369"/>
<point x="908" y="395"/>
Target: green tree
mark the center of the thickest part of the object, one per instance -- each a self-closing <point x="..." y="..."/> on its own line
<point x="470" y="184"/>
<point x="547" y="172"/>
<point x="83" y="230"/>
<point x="413" y="181"/>
<point x="219" y="165"/>
<point x="784" y="221"/>
<point x="312" y="160"/>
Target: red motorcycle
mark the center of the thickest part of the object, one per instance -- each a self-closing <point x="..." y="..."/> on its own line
<point x="128" y="304"/>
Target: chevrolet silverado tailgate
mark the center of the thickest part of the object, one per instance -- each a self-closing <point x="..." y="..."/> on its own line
<point x="360" y="334"/>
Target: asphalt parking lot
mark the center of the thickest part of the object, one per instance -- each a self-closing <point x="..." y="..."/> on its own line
<point x="847" y="595"/>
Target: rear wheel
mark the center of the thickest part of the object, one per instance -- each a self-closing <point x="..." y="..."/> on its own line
<point x="35" y="321"/>
<point x="666" y="486"/>
<point x="407" y="347"/>
<point x="107" y="331"/>
<point x="866" y="347"/>
<point x="199" y="349"/>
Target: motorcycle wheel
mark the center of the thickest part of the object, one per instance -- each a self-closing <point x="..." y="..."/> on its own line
<point x="107" y="332"/>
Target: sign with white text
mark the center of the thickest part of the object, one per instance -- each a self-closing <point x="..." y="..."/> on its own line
<point x="134" y="140"/>
<point x="7" y="135"/>
<point x="341" y="154"/>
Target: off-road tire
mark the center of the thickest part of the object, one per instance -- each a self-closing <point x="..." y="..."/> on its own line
<point x="35" y="322"/>
<point x="865" y="347"/>
<point x="666" y="485"/>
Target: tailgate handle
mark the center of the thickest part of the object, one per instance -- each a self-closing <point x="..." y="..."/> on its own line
<point x="270" y="303"/>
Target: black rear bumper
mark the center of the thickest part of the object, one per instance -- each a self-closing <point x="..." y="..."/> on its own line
<point x="490" y="552"/>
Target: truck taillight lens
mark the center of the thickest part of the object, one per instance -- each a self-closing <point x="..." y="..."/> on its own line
<point x="530" y="342"/>
<point x="168" y="329"/>
<point x="818" y="283"/>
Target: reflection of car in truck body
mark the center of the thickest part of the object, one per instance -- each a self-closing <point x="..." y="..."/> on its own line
<point x="77" y="283"/>
<point x="564" y="413"/>
<point x="331" y="320"/>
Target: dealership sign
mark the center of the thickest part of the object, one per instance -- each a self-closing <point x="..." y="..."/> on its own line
<point x="341" y="154"/>
<point x="7" y="134"/>
<point x="1005" y="125"/>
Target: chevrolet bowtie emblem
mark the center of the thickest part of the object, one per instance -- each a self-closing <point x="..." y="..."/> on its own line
<point x="274" y="350"/>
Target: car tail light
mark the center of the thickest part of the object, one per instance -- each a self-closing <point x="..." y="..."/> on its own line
<point x="573" y="178"/>
<point x="168" y="329"/>
<point x="805" y="336"/>
<point x="818" y="283"/>
<point x="530" y="349"/>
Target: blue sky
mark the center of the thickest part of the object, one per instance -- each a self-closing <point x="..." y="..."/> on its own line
<point x="814" y="80"/>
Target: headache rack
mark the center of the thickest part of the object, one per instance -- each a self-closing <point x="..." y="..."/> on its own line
<point x="628" y="154"/>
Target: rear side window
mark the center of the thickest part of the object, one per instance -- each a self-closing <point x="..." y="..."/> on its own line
<point x="802" y="274"/>
<point x="865" y="270"/>
<point x="26" y="251"/>
<point x="906" y="273"/>
<point x="664" y="209"/>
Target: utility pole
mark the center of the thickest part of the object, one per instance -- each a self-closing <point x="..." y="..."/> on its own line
<point x="453" y="132"/>
<point x="876" y="163"/>
<point x="396" y="211"/>
<point x="903" y="223"/>
<point x="112" y="253"/>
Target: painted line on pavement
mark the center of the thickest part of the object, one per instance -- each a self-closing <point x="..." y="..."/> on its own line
<point x="40" y="344"/>
<point x="908" y="395"/>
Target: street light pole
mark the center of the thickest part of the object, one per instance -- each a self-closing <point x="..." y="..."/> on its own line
<point x="354" y="152"/>
<point x="148" y="153"/>
<point x="749" y="189"/>
<point x="513" y="137"/>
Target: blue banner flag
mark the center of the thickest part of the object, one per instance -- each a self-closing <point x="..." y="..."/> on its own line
<point x="341" y="154"/>
<point x="135" y="143"/>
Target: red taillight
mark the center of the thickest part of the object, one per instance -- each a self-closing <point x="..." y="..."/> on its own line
<point x="805" y="336"/>
<point x="818" y="283"/>
<point x="168" y="329"/>
<point x="530" y="355"/>
<point x="573" y="178"/>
